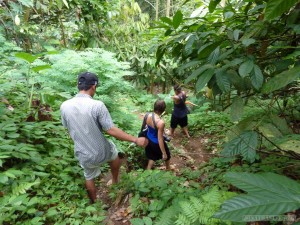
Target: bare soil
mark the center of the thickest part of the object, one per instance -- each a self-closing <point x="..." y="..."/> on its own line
<point x="186" y="152"/>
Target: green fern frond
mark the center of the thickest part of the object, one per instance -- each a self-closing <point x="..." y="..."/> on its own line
<point x="189" y="210"/>
<point x="23" y="187"/>
<point x="182" y="220"/>
<point x="213" y="196"/>
<point x="199" y="210"/>
<point x="197" y="203"/>
<point x="168" y="216"/>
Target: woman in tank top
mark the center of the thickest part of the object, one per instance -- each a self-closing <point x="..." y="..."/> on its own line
<point x="157" y="148"/>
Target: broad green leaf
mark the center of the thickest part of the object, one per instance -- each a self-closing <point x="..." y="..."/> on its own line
<point x="167" y="20"/>
<point x="52" y="212"/>
<point x="276" y="8"/>
<point x="168" y="32"/>
<point x="197" y="72"/>
<point x="236" y="34"/>
<point x="59" y="4"/>
<point x="292" y="145"/>
<point x="264" y="182"/>
<point x="188" y="48"/>
<point x="281" y="80"/>
<point x="66" y="3"/>
<point x="269" y="130"/>
<point x="27" y="3"/>
<point x="281" y="124"/>
<point x="248" y="41"/>
<point x="213" y="4"/>
<point x="207" y="50"/>
<point x="26" y="56"/>
<point x="188" y="65"/>
<point x="245" y="68"/>
<point x="204" y="78"/>
<point x="147" y="220"/>
<point x="18" y="200"/>
<point x="228" y="14"/>
<point x="244" y="145"/>
<point x="269" y="194"/>
<point x="237" y="108"/>
<point x="3" y="178"/>
<point x="7" y="147"/>
<point x="240" y="208"/>
<point x="160" y="53"/>
<point x="137" y="221"/>
<point x="39" y="68"/>
<point x="13" y="135"/>
<point x="177" y="19"/>
<point x="9" y="127"/>
<point x="232" y="63"/>
<point x="223" y="81"/>
<point x="214" y="56"/>
<point x="257" y="77"/>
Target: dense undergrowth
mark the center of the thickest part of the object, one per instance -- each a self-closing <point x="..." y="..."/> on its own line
<point x="42" y="183"/>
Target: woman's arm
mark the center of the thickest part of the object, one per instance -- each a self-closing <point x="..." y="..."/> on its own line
<point x="161" y="128"/>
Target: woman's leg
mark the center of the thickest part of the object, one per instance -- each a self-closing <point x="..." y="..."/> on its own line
<point x="150" y="164"/>
<point x="167" y="162"/>
<point x="185" y="130"/>
<point x="172" y="130"/>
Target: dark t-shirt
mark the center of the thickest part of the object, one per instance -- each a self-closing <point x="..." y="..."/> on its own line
<point x="180" y="109"/>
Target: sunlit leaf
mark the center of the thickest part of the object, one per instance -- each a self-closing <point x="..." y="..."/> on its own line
<point x="39" y="68"/>
<point x="167" y="20"/>
<point x="26" y="56"/>
<point x="213" y="4"/>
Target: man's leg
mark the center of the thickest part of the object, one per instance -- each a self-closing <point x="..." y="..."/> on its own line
<point x="115" y="169"/>
<point x="91" y="190"/>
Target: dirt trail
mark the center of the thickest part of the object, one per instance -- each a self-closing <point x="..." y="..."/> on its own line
<point x="185" y="153"/>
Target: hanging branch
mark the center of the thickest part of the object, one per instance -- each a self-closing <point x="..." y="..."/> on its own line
<point x="291" y="153"/>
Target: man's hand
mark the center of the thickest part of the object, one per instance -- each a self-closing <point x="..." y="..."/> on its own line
<point x="142" y="142"/>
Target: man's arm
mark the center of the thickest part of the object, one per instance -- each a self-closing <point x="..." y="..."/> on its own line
<point x="123" y="136"/>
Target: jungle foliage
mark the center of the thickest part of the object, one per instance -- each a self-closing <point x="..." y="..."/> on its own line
<point x="40" y="180"/>
<point x="240" y="62"/>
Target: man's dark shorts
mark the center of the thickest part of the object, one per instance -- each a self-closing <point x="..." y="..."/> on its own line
<point x="182" y="122"/>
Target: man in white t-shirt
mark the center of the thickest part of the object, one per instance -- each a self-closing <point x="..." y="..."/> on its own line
<point x="86" y="119"/>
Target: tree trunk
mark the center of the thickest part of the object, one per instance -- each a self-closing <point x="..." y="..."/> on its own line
<point x="156" y="10"/>
<point x="168" y="8"/>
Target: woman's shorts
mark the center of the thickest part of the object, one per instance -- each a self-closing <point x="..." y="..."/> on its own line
<point x="154" y="153"/>
<point x="182" y="122"/>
